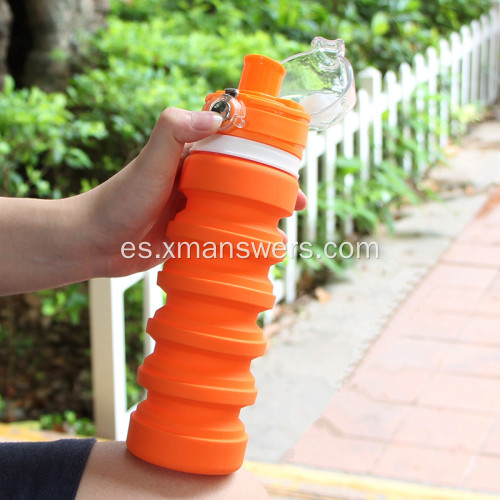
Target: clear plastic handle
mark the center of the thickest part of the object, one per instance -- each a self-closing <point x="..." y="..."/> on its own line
<point x="322" y="81"/>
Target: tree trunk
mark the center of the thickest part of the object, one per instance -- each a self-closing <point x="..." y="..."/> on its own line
<point x="46" y="38"/>
<point x="5" y="24"/>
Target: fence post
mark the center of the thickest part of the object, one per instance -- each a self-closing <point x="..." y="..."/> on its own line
<point x="108" y="358"/>
<point x="456" y="50"/>
<point x="421" y="76"/>
<point x="364" y="133"/>
<point x="330" y="169"/>
<point x="371" y="81"/>
<point x="475" y="62"/>
<point x="433" y="68"/>
<point x="444" y="90"/>
<point x="393" y="93"/>
<point x="495" y="52"/>
<point x="485" y="27"/>
<point x="393" y="97"/>
<point x="348" y="152"/>
<point x="466" y="46"/>
<point x="407" y="86"/>
<point x="490" y="64"/>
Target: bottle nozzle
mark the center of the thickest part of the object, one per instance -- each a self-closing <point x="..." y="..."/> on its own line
<point x="261" y="74"/>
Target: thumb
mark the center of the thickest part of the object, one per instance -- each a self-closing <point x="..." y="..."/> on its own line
<point x="173" y="130"/>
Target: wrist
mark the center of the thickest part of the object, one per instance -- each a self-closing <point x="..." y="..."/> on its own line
<point x="82" y="249"/>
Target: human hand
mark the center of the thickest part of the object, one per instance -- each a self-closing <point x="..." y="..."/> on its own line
<point x="137" y="203"/>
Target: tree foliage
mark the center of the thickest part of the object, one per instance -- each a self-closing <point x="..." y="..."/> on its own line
<point x="159" y="53"/>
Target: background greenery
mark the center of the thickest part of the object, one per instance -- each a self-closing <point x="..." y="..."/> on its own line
<point x="159" y="53"/>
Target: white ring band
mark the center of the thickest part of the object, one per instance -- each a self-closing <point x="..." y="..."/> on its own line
<point x="250" y="150"/>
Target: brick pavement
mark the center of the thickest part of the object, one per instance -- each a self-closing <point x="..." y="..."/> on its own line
<point x="424" y="403"/>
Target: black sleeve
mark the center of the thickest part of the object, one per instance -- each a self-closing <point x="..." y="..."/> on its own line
<point x="43" y="470"/>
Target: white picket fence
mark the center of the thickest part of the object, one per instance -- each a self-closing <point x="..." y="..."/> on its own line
<point x="464" y="70"/>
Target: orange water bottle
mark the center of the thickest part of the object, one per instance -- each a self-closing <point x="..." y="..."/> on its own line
<point x="238" y="183"/>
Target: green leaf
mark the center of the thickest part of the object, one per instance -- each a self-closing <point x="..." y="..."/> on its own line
<point x="78" y="159"/>
<point x="8" y="84"/>
<point x="48" y="308"/>
<point x="5" y="148"/>
<point x="380" y="24"/>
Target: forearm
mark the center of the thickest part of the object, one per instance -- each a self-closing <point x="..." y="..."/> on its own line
<point x="44" y="244"/>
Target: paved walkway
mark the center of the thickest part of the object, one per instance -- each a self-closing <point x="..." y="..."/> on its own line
<point x="424" y="403"/>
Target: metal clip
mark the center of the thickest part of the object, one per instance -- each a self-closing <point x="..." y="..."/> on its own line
<point x="230" y="108"/>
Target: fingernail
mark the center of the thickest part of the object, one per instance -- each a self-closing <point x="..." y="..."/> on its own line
<point x="205" y="120"/>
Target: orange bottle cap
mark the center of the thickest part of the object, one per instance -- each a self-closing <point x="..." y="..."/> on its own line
<point x="267" y="119"/>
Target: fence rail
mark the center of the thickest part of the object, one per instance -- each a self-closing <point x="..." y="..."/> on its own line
<point x="464" y="70"/>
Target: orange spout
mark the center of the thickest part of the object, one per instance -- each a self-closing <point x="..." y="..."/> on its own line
<point x="261" y="74"/>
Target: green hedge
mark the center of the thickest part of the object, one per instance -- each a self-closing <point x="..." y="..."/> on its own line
<point x="41" y="142"/>
<point x="160" y="53"/>
<point x="381" y="33"/>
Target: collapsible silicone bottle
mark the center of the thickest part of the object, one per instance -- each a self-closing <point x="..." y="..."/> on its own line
<point x="238" y="183"/>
